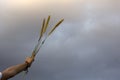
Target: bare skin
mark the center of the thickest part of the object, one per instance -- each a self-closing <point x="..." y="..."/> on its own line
<point x="14" y="70"/>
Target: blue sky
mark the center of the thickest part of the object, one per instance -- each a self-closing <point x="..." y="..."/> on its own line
<point x="84" y="47"/>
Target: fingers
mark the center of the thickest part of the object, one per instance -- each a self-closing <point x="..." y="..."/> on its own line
<point x="29" y="60"/>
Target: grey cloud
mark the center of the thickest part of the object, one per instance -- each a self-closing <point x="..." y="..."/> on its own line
<point x="85" y="47"/>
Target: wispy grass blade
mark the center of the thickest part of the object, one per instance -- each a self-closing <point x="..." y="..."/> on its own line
<point x="41" y="32"/>
<point x="46" y="25"/>
<point x="33" y="54"/>
<point x="56" y="26"/>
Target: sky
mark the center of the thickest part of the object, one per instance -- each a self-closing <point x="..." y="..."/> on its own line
<point x="86" y="46"/>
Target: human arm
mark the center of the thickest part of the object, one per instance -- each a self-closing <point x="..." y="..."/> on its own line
<point x="14" y="70"/>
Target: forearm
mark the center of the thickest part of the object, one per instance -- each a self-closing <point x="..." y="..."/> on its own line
<point x="12" y="71"/>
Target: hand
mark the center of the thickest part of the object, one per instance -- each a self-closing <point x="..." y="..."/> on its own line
<point x="29" y="61"/>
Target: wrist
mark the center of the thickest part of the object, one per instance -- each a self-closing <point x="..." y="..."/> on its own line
<point x="26" y="66"/>
<point x="27" y="63"/>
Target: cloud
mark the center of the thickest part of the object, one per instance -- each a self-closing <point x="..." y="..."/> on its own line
<point x="84" y="47"/>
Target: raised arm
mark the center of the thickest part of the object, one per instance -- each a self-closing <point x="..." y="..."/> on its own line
<point x="14" y="70"/>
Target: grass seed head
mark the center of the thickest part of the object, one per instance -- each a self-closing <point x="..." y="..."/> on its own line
<point x="56" y="26"/>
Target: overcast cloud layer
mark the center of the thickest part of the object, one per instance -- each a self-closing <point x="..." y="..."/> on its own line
<point x="86" y="46"/>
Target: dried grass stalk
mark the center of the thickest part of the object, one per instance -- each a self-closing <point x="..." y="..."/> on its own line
<point x="56" y="26"/>
<point x="33" y="55"/>
<point x="46" y="25"/>
<point x="41" y="32"/>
